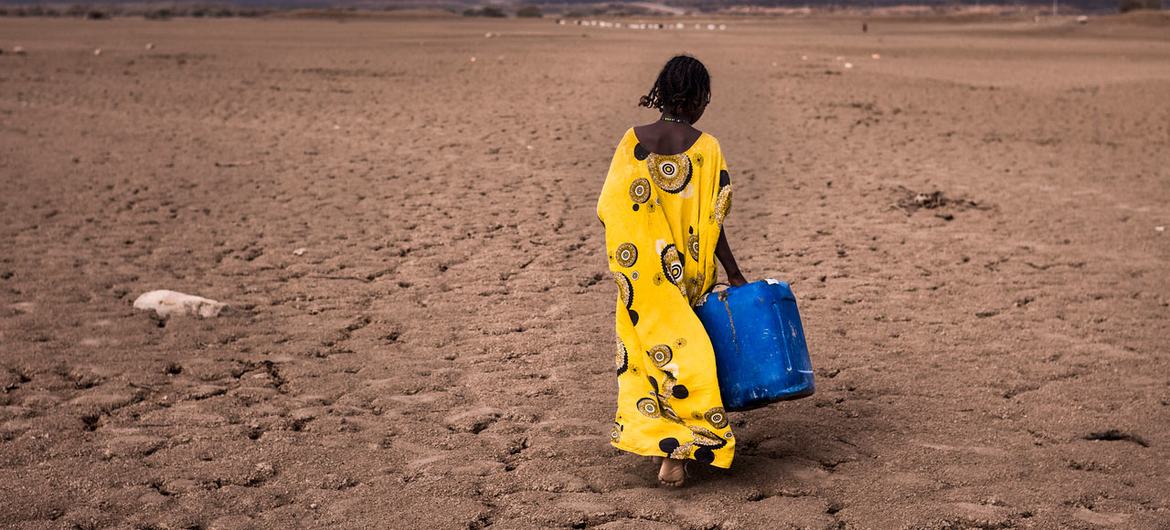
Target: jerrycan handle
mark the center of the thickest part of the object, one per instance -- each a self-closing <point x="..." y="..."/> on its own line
<point x="721" y="294"/>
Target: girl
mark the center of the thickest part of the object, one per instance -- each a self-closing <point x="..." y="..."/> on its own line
<point x="663" y="205"/>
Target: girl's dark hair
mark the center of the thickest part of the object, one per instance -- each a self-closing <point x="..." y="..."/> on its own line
<point x="682" y="85"/>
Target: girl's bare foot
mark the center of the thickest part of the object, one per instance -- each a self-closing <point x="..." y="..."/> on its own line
<point x="673" y="472"/>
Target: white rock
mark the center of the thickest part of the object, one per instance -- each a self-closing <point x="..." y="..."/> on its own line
<point x="167" y="303"/>
<point x="848" y="65"/>
<point x="1082" y="19"/>
<point x="1159" y="229"/>
<point x="150" y="45"/>
<point x="19" y="50"/>
<point x="97" y="51"/>
<point x="876" y="56"/>
<point x="300" y="251"/>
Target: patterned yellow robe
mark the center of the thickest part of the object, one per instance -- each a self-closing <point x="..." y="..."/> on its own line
<point x="662" y="217"/>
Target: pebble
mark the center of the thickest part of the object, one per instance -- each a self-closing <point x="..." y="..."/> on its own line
<point x="300" y="251"/>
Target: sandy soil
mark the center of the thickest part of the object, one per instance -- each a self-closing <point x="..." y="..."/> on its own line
<point x="440" y="355"/>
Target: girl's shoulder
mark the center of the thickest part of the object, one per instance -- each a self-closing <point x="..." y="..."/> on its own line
<point x="711" y="140"/>
<point x="708" y="144"/>
<point x="628" y="135"/>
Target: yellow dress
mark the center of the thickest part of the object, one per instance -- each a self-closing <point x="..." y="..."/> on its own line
<point x="662" y="217"/>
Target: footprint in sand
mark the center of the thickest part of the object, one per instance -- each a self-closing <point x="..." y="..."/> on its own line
<point x="133" y="445"/>
<point x="1101" y="518"/>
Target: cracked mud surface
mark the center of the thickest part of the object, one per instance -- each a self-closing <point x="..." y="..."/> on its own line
<point x="990" y="354"/>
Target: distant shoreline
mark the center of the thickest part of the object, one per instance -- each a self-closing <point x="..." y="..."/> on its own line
<point x="636" y="10"/>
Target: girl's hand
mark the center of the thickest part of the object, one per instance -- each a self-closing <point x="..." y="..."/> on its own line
<point x="737" y="279"/>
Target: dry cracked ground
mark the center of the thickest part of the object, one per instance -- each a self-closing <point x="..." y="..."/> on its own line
<point x="971" y="222"/>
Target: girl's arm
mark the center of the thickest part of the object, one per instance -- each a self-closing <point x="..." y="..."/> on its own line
<point x="727" y="259"/>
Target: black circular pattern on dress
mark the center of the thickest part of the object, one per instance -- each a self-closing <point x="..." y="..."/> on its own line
<point x="625" y="289"/>
<point x="679" y="392"/>
<point x="668" y="445"/>
<point x="672" y="265"/>
<point x="640" y="152"/>
<point x="626" y="254"/>
<point x="621" y="358"/>
<point x="693" y="246"/>
<point x="649" y="407"/>
<point x="660" y="355"/>
<point x="671" y="173"/>
<point x="640" y="190"/>
<point x="704" y="455"/>
<point x="707" y="438"/>
<point x="722" y="204"/>
<point x="717" y="417"/>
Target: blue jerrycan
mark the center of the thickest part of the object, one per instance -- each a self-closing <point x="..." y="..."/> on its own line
<point x="760" y="353"/>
